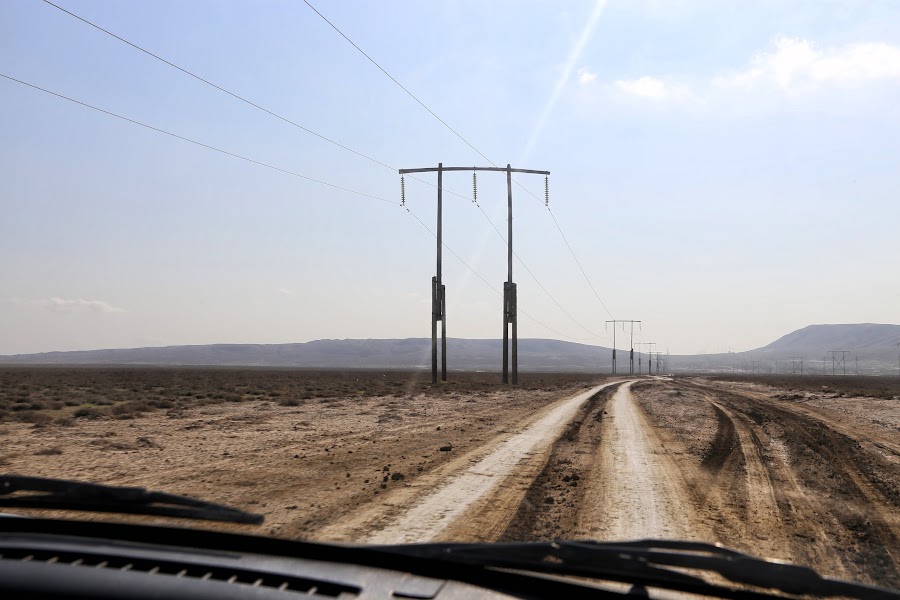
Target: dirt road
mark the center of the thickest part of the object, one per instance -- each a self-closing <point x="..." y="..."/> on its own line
<point x="447" y="498"/>
<point x="688" y="460"/>
<point x="811" y="477"/>
<point x="790" y="476"/>
<point x="635" y="491"/>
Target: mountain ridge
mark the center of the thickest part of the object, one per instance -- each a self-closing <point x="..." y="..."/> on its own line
<point x="873" y="343"/>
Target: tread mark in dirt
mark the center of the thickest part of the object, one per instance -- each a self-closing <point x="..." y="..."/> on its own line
<point x="723" y="445"/>
<point x="843" y="482"/>
<point x="566" y="466"/>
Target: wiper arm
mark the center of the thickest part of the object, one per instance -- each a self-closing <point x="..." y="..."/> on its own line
<point x="648" y="562"/>
<point x="63" y="494"/>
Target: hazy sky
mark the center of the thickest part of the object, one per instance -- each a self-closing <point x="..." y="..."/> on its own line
<point x="726" y="172"/>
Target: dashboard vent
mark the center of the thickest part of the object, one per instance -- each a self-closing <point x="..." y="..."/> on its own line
<point x="237" y="576"/>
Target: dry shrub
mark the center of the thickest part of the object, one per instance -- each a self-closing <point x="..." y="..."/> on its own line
<point x="36" y="417"/>
<point x="86" y="412"/>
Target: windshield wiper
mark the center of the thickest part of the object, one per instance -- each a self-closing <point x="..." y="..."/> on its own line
<point x="648" y="562"/>
<point x="62" y="494"/>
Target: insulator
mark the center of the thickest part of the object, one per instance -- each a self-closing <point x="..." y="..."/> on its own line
<point x="402" y="191"/>
<point x="474" y="187"/>
<point x="546" y="190"/>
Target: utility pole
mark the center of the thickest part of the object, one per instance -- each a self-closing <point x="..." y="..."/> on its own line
<point x="649" y="356"/>
<point x="795" y="362"/>
<point x="631" y="354"/>
<point x="839" y="362"/>
<point x="614" y="347"/>
<point x="438" y="292"/>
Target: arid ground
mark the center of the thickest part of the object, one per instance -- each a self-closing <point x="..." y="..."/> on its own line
<point x="797" y="468"/>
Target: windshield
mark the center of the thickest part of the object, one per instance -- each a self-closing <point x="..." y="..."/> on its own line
<point x="260" y="255"/>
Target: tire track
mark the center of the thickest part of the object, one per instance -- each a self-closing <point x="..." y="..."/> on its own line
<point x="766" y="515"/>
<point x="834" y="500"/>
<point x="460" y="496"/>
<point x="554" y="498"/>
<point x="635" y="490"/>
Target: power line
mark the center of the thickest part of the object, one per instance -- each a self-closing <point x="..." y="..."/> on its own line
<point x="218" y="87"/>
<point x="486" y="282"/>
<point x="402" y="87"/>
<point x="267" y="165"/>
<point x="185" y="139"/>
<point x="324" y="137"/>
<point x="527" y="270"/>
<point x="422" y="104"/>
<point x="577" y="262"/>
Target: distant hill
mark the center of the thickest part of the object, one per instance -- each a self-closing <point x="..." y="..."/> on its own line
<point x="862" y="338"/>
<point x="874" y="344"/>
<point x="463" y="354"/>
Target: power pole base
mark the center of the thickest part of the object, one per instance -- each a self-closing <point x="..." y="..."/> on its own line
<point x="510" y="318"/>
<point x="438" y="314"/>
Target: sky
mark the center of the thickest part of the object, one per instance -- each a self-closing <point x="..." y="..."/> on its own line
<point x="724" y="172"/>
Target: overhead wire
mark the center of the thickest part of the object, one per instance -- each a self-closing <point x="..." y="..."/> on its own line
<point x="488" y="283"/>
<point x="204" y="145"/>
<point x="270" y="166"/>
<point x="216" y="86"/>
<point x="392" y="78"/>
<point x="236" y="96"/>
<point x="332" y="141"/>
<point x="402" y="87"/>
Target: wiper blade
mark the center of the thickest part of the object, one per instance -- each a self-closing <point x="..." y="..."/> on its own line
<point x="62" y="494"/>
<point x="648" y="562"/>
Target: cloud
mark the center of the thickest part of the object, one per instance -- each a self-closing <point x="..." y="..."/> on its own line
<point x="643" y="87"/>
<point x="653" y="89"/>
<point x="794" y="64"/>
<point x="790" y="67"/>
<point x="80" y="304"/>
<point x="57" y="304"/>
<point x="286" y="291"/>
<point x="585" y="76"/>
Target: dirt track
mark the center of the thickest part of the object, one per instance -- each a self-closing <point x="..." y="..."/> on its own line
<point x="785" y="479"/>
<point x="442" y="500"/>
<point x="812" y="478"/>
<point x="690" y="460"/>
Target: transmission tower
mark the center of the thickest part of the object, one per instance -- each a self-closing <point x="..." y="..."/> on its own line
<point x="839" y="362"/>
<point x="796" y="365"/>
<point x="657" y="361"/>
<point x="649" y="356"/>
<point x="438" y="291"/>
<point x="631" y="353"/>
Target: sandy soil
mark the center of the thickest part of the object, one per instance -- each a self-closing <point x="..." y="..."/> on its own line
<point x="439" y="500"/>
<point x="304" y="467"/>
<point x="635" y="490"/>
<point x="777" y="477"/>
<point x="811" y="477"/>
